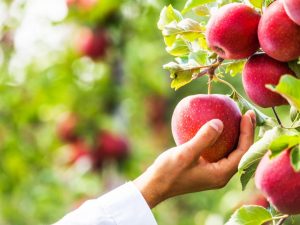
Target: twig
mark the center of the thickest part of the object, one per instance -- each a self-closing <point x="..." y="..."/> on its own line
<point x="210" y="69"/>
<point x="277" y="117"/>
<point x="281" y="221"/>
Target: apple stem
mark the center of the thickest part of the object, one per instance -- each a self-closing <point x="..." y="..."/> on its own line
<point x="277" y="117"/>
<point x="210" y="79"/>
<point x="210" y="69"/>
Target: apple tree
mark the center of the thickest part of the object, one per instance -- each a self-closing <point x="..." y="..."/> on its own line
<point x="260" y="41"/>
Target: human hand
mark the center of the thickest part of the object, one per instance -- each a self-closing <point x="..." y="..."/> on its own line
<point x="181" y="169"/>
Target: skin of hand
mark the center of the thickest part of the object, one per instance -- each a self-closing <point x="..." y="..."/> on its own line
<point x="181" y="169"/>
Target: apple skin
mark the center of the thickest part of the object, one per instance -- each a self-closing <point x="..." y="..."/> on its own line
<point x="194" y="111"/>
<point x="93" y="43"/>
<point x="232" y="31"/>
<point x="278" y="35"/>
<point x="259" y="71"/>
<point x="279" y="183"/>
<point x="292" y="8"/>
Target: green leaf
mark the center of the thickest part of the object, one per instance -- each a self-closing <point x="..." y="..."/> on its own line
<point x="187" y="29"/>
<point x="294" y="114"/>
<point x="179" y="48"/>
<point x="250" y="160"/>
<point x="235" y="67"/>
<point x="282" y="143"/>
<point x="257" y="3"/>
<point x="245" y="106"/>
<point x="199" y="56"/>
<point x="181" y="74"/>
<point x="201" y="10"/>
<point x="250" y="215"/>
<point x="295" y="158"/>
<point x="190" y="4"/>
<point x="168" y="15"/>
<point x="289" y="88"/>
<point x="295" y="66"/>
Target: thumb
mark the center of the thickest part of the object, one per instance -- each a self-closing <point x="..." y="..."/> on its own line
<point x="205" y="137"/>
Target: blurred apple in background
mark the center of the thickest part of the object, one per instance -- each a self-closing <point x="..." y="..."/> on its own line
<point x="109" y="147"/>
<point x="92" y="43"/>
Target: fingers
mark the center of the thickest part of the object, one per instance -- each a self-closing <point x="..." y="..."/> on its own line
<point x="205" y="137"/>
<point x="246" y="139"/>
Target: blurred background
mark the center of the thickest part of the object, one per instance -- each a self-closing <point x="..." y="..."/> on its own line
<point x="85" y="106"/>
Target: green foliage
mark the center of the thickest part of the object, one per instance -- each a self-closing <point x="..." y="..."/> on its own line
<point x="288" y="87"/>
<point x="282" y="143"/>
<point x="250" y="215"/>
<point x="190" y="4"/>
<point x="250" y="160"/>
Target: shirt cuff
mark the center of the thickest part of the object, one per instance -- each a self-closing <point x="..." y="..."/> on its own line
<point x="126" y="205"/>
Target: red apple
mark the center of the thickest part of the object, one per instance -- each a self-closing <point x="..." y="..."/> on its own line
<point x="259" y="71"/>
<point x="278" y="35"/>
<point x="66" y="128"/>
<point x="279" y="182"/>
<point x="292" y="8"/>
<point x="194" y="111"/>
<point x="232" y="31"/>
<point x="93" y="44"/>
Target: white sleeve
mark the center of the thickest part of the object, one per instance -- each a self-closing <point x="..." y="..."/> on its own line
<point x="123" y="206"/>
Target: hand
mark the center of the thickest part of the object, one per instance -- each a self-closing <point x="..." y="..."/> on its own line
<point x="181" y="169"/>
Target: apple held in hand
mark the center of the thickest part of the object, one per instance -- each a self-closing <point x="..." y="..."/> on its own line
<point x="232" y="31"/>
<point x="292" y="8"/>
<point x="279" y="182"/>
<point x="259" y="71"/>
<point x="278" y="35"/>
<point x="193" y="112"/>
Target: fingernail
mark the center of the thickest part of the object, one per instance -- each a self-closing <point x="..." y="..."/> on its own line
<point x="216" y="124"/>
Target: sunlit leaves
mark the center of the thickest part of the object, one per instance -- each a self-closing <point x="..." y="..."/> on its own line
<point x="181" y="73"/>
<point x="190" y="4"/>
<point x="179" y="48"/>
<point x="250" y="215"/>
<point x="188" y="29"/>
<point x="201" y="10"/>
<point x="184" y="38"/>
<point x="168" y="15"/>
<point x="289" y="88"/>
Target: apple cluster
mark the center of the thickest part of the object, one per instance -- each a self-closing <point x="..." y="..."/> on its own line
<point x="269" y="42"/>
<point x="237" y="31"/>
<point x="106" y="147"/>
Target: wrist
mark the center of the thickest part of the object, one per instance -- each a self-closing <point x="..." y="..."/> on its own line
<point x="153" y="189"/>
